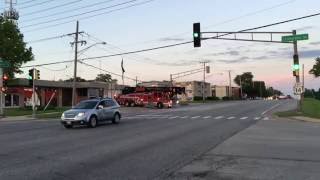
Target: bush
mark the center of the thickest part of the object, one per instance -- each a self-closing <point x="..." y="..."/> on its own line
<point x="226" y="98"/>
<point x="213" y="98"/>
<point x="197" y="98"/>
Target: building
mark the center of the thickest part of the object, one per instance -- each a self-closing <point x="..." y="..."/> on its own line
<point x="59" y="93"/>
<point x="224" y="91"/>
<point x="155" y="84"/>
<point x="194" y="89"/>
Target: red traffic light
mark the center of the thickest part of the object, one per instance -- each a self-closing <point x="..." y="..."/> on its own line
<point x="5" y="77"/>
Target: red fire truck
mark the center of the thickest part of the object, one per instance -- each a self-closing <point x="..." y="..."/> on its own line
<point x="149" y="96"/>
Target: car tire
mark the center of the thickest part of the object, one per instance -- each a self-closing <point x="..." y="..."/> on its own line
<point x="93" y="122"/>
<point x="67" y="126"/>
<point x="116" y="119"/>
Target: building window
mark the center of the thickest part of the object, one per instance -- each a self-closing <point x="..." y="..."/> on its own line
<point x="83" y="92"/>
<point x="11" y="100"/>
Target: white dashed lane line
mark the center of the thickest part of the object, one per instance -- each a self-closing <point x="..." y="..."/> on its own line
<point x="219" y="117"/>
<point x="206" y="117"/>
<point x="194" y="117"/>
<point x="257" y="118"/>
<point x="243" y="118"/>
<point x="184" y="117"/>
<point x="173" y="117"/>
<point x="232" y="117"/>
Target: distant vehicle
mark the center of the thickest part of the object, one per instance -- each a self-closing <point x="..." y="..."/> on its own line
<point x="159" y="97"/>
<point x="91" y="112"/>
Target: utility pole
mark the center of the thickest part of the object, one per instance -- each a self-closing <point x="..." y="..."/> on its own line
<point x="230" y="88"/>
<point x="295" y="52"/>
<point x="204" y="79"/>
<point x="136" y="81"/>
<point x="1" y="93"/>
<point x="171" y="80"/>
<point x="240" y="87"/>
<point x="302" y="94"/>
<point x="33" y="94"/>
<point x="76" y="41"/>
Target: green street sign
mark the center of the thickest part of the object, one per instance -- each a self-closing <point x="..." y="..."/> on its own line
<point x="4" y="64"/>
<point x="297" y="37"/>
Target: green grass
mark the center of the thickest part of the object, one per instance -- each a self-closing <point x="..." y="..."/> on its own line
<point x="310" y="108"/>
<point x="28" y="111"/>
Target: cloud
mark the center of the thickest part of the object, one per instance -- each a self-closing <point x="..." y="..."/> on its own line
<point x="230" y="53"/>
<point x="178" y="63"/>
<point x="172" y="39"/>
<point x="233" y="61"/>
<point x="305" y="28"/>
<point x="260" y="58"/>
<point x="310" y="53"/>
<point x="315" y="43"/>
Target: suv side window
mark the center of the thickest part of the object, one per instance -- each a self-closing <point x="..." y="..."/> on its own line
<point x="103" y="103"/>
<point x="110" y="103"/>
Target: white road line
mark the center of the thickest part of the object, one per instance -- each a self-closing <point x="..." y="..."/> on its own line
<point x="264" y="112"/>
<point x="219" y="117"/>
<point x="206" y="117"/>
<point x="173" y="117"/>
<point x="232" y="117"/>
<point x="266" y="119"/>
<point x="243" y="118"/>
<point x="184" y="117"/>
<point x="194" y="117"/>
<point x="257" y="118"/>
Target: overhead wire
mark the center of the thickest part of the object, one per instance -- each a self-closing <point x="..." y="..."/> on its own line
<point x="183" y="43"/>
<point x="47" y="9"/>
<point x="68" y="11"/>
<point x="37" y="4"/>
<point x="79" y="14"/>
<point x="88" y="17"/>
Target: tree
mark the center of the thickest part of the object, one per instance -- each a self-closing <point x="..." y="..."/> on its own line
<point x="78" y="79"/>
<point x="12" y="47"/>
<point x="246" y="83"/>
<point x="106" y="78"/>
<point x="316" y="68"/>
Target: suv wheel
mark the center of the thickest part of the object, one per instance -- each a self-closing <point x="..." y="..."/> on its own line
<point x="93" y="122"/>
<point x="116" y="118"/>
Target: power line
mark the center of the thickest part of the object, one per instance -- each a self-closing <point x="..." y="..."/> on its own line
<point x="26" y="2"/>
<point x="37" y="4"/>
<point x="68" y="11"/>
<point x="51" y="38"/>
<point x="133" y="79"/>
<point x="177" y="44"/>
<point x="88" y="17"/>
<point x="50" y="8"/>
<point x="80" y="14"/>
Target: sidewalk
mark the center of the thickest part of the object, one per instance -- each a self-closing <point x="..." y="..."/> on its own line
<point x="16" y="118"/>
<point x="268" y="150"/>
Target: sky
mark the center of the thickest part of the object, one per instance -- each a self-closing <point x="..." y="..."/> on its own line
<point x="128" y="25"/>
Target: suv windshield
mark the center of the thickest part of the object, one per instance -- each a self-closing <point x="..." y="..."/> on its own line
<point x="86" y="105"/>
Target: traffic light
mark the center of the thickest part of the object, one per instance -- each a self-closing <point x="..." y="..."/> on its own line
<point x="30" y="77"/>
<point x="5" y="80"/>
<point x="196" y="35"/>
<point x="37" y="74"/>
<point x="296" y="65"/>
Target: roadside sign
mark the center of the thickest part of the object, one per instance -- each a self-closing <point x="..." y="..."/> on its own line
<point x="298" y="89"/>
<point x="3" y="63"/>
<point x="297" y="37"/>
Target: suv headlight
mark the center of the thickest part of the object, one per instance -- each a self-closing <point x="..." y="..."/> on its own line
<point x="62" y="115"/>
<point x="80" y="114"/>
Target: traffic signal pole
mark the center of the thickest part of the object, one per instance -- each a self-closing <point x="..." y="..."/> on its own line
<point x="295" y="52"/>
<point x="34" y="94"/>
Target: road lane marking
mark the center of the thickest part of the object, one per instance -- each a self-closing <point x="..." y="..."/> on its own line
<point x="243" y="118"/>
<point x="194" y="117"/>
<point x="257" y="118"/>
<point x="219" y="117"/>
<point x="266" y="119"/>
<point x="206" y="117"/>
<point x="232" y="117"/>
<point x="264" y="112"/>
<point x="184" y="117"/>
<point x="173" y="117"/>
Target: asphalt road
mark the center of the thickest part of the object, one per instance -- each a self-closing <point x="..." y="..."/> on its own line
<point x="147" y="144"/>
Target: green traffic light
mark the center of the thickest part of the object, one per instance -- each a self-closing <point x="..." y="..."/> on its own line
<point x="296" y="67"/>
<point x="29" y="77"/>
<point x="195" y="35"/>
